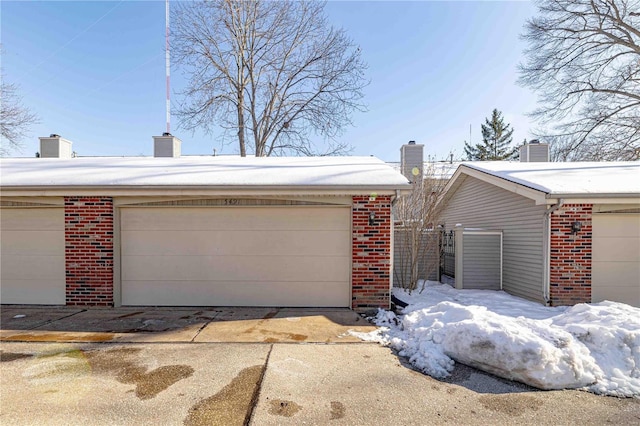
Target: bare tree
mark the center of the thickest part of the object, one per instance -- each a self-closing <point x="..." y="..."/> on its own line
<point x="416" y="240"/>
<point x="271" y="72"/>
<point x="583" y="59"/>
<point x="15" y="118"/>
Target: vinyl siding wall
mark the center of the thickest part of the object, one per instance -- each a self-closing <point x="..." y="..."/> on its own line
<point x="481" y="261"/>
<point x="477" y="204"/>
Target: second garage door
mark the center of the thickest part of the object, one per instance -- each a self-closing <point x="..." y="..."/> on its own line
<point x="32" y="256"/>
<point x="616" y="258"/>
<point x="242" y="256"/>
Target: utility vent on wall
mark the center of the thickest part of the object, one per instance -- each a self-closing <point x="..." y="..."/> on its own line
<point x="534" y="152"/>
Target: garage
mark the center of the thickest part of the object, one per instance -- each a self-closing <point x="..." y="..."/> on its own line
<point x="198" y="230"/>
<point x="616" y="258"/>
<point x="293" y="255"/>
<point x="32" y="269"/>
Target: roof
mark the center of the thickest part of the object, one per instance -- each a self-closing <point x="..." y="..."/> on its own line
<point x="201" y="171"/>
<point x="441" y="170"/>
<point x="559" y="180"/>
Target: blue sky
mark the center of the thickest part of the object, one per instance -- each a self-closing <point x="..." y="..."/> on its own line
<point x="94" y="73"/>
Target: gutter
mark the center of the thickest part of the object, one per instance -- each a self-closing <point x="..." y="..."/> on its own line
<point x="230" y="188"/>
<point x="547" y="251"/>
<point x="200" y="190"/>
<point x="596" y="195"/>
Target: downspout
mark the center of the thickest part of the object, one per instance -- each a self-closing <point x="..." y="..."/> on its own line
<point x="547" y="251"/>
<point x="394" y="198"/>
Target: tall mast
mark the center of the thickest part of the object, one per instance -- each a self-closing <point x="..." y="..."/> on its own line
<point x="167" y="66"/>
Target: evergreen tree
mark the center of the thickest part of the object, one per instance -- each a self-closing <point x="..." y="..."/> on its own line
<point x="496" y="141"/>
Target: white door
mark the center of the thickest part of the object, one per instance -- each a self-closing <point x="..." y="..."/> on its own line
<point x="241" y="256"/>
<point x="32" y="256"/>
<point x="615" y="271"/>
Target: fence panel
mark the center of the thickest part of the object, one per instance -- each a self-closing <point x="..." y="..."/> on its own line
<point x="427" y="256"/>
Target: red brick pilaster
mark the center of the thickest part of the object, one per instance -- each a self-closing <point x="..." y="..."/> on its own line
<point x="88" y="229"/>
<point x="371" y="253"/>
<point x="570" y="256"/>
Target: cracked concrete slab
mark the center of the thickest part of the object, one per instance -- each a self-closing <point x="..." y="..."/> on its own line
<point x="148" y="324"/>
<point x="289" y="326"/>
<point x="129" y="368"/>
<point x="115" y="324"/>
<point x="367" y="384"/>
<point x="29" y="317"/>
<point x="129" y="320"/>
<point x="228" y="384"/>
<point x="184" y="335"/>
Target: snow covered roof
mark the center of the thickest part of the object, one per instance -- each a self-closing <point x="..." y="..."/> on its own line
<point x="201" y="171"/>
<point x="433" y="169"/>
<point x="567" y="179"/>
<point x="442" y="169"/>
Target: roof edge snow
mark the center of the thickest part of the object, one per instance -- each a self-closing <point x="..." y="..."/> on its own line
<point x="545" y="183"/>
<point x="201" y="174"/>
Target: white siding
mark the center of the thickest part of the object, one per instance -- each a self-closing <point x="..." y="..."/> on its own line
<point x="477" y="204"/>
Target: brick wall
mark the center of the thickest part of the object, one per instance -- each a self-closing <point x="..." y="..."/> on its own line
<point x="371" y="250"/>
<point x="570" y="256"/>
<point x="88" y="226"/>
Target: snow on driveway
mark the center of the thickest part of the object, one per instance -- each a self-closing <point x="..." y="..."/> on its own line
<point x="593" y="347"/>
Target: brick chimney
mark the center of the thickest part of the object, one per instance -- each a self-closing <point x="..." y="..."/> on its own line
<point x="55" y="146"/>
<point x="166" y="145"/>
<point x="412" y="160"/>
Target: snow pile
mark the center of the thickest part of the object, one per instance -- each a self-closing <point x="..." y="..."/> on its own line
<point x="611" y="332"/>
<point x="594" y="347"/>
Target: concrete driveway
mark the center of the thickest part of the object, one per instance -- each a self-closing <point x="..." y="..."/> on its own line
<point x="250" y="366"/>
<point x="247" y="325"/>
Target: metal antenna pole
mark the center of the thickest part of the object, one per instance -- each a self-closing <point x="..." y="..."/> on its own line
<point x="168" y="66"/>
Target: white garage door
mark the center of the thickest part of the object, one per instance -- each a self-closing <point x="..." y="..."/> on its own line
<point x="243" y="256"/>
<point x="32" y="256"/>
<point x="616" y="258"/>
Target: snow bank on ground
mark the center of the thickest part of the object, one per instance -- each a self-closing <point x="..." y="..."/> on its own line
<point x="594" y="347"/>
